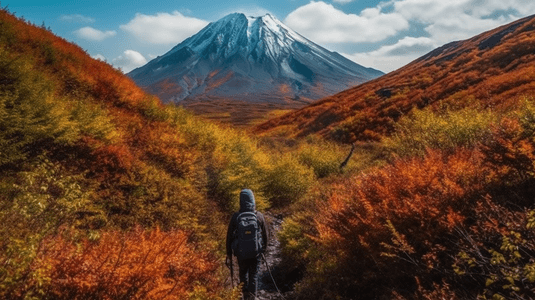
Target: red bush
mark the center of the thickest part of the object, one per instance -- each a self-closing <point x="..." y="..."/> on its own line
<point x="133" y="265"/>
<point x="393" y="229"/>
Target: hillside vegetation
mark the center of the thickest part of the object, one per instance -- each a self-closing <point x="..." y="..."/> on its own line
<point x="443" y="207"/>
<point x="107" y="194"/>
<point x="450" y="214"/>
<point x="490" y="70"/>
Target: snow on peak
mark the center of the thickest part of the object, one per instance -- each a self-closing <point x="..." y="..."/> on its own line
<point x="251" y="56"/>
<point x="255" y="39"/>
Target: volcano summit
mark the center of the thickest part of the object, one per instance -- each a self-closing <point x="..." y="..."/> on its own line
<point x="252" y="59"/>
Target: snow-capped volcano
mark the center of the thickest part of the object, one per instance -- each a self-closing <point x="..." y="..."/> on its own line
<point x="252" y="59"/>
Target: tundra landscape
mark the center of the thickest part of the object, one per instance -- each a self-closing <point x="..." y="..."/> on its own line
<point x="413" y="183"/>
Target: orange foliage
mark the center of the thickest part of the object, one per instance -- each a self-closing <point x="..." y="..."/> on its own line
<point x="387" y="228"/>
<point x="132" y="265"/>
<point x="68" y="64"/>
<point x="427" y="226"/>
<point x="511" y="153"/>
<point x="425" y="191"/>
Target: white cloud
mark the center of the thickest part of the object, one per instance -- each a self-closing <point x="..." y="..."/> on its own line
<point x="99" y="57"/>
<point x="390" y="57"/>
<point x="432" y="10"/>
<point x="92" y="34"/>
<point x="343" y="1"/>
<point x="438" y="21"/>
<point x="129" y="60"/>
<point x="446" y="21"/>
<point x="163" y="28"/>
<point x="464" y="26"/>
<point x="76" y="18"/>
<point x="408" y="46"/>
<point x="323" y="23"/>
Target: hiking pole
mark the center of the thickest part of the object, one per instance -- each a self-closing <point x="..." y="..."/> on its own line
<point x="232" y="272"/>
<point x="231" y="267"/>
<point x="271" y="275"/>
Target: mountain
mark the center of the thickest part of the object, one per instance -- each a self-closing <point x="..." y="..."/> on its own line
<point x="250" y="59"/>
<point x="492" y="69"/>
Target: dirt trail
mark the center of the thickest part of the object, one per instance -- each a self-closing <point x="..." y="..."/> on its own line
<point x="266" y="288"/>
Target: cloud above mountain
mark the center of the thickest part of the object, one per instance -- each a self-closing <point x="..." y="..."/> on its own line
<point x="343" y="1"/>
<point x="163" y="28"/>
<point x="446" y="21"/>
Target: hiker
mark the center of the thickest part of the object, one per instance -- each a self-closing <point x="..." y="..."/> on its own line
<point x="247" y="238"/>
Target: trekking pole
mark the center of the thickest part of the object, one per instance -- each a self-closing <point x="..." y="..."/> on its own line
<point x="232" y="272"/>
<point x="271" y="275"/>
<point x="231" y="267"/>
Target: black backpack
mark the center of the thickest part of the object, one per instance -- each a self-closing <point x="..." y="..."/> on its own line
<point x="247" y="238"/>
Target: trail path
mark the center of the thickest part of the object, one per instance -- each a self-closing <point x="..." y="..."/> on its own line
<point x="266" y="288"/>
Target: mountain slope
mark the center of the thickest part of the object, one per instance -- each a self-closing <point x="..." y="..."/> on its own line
<point x="491" y="69"/>
<point x="249" y="59"/>
<point x="104" y="190"/>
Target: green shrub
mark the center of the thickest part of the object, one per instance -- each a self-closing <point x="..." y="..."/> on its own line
<point x="287" y="181"/>
<point x="230" y="160"/>
<point x="426" y="129"/>
<point x="324" y="158"/>
<point x="34" y="204"/>
<point x="33" y="119"/>
<point x="29" y="118"/>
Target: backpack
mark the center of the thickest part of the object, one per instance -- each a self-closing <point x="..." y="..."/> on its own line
<point x="248" y="238"/>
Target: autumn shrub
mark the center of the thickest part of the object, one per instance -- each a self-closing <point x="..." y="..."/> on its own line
<point x="33" y="119"/>
<point x="453" y="223"/>
<point x="29" y="118"/>
<point x="510" y="151"/>
<point x="497" y="256"/>
<point x="84" y="149"/>
<point x="323" y="157"/>
<point x="137" y="264"/>
<point x="298" y="246"/>
<point x="33" y="205"/>
<point x="390" y="229"/>
<point x="445" y="130"/>
<point x="287" y="181"/>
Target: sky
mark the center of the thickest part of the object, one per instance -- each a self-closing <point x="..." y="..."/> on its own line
<point x="384" y="35"/>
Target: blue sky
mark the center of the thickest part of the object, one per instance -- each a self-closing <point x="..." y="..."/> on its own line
<point x="381" y="34"/>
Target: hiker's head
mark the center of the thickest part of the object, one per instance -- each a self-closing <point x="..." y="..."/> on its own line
<point x="247" y="202"/>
